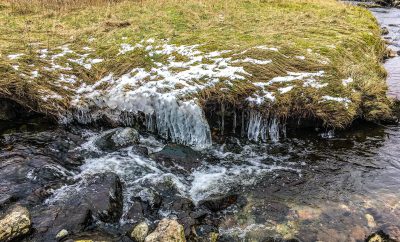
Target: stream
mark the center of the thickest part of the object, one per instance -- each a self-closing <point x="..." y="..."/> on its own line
<point x="312" y="185"/>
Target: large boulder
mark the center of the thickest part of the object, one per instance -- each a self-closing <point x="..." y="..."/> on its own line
<point x="117" y="138"/>
<point x="15" y="223"/>
<point x="168" y="230"/>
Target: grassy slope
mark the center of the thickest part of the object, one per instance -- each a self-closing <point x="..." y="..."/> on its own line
<point x="346" y="38"/>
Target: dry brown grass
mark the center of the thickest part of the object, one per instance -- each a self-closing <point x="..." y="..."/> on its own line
<point x="32" y="6"/>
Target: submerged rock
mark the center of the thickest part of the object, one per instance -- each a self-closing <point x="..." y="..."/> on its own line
<point x="167" y="230"/>
<point x="16" y="223"/>
<point x="117" y="138"/>
<point x="219" y="202"/>
<point x="178" y="156"/>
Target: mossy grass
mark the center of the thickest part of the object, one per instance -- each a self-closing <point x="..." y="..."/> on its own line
<point x="341" y="40"/>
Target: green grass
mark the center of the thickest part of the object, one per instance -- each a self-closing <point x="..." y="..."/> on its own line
<point x="346" y="37"/>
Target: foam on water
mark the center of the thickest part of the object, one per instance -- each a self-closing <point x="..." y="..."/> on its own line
<point x="139" y="172"/>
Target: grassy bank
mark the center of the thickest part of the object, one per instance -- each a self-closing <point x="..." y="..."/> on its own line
<point x="300" y="58"/>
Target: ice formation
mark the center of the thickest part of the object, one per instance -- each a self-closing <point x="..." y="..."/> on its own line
<point x="260" y="128"/>
<point x="162" y="94"/>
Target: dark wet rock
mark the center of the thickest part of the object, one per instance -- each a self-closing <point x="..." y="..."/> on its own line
<point x="396" y="109"/>
<point x="58" y="145"/>
<point x="145" y="205"/>
<point x="160" y="200"/>
<point x="117" y="138"/>
<point x="34" y="164"/>
<point x="5" y="200"/>
<point x="11" y="110"/>
<point x="219" y="202"/>
<point x="232" y="144"/>
<point x="138" y="210"/>
<point x="15" y="223"/>
<point x="99" y="198"/>
<point x="178" y="156"/>
<point x="261" y="236"/>
<point x="385" y="31"/>
<point x="103" y="192"/>
<point x="388" y="3"/>
<point x="140" y="150"/>
<point x="49" y="221"/>
<point x="182" y="208"/>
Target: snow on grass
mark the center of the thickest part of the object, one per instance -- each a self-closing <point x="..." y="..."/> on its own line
<point x="347" y="81"/>
<point x="164" y="94"/>
<point x="345" y="101"/>
<point x="254" y="61"/>
<point x="292" y="76"/>
<point x="14" y="56"/>
<point x="284" y="90"/>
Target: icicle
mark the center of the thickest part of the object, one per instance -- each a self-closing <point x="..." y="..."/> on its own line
<point x="264" y="130"/>
<point x="234" y="122"/>
<point x="149" y="122"/>
<point x="284" y="130"/>
<point x="254" y="126"/>
<point x="242" y="131"/>
<point x="222" y="118"/>
<point x="261" y="128"/>
<point x="274" y="129"/>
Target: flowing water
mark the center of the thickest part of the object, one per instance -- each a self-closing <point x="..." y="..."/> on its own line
<point x="390" y="18"/>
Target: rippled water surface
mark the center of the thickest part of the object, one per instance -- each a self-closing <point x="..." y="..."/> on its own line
<point x="390" y="18"/>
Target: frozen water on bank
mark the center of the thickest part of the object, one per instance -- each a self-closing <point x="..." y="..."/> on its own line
<point x="162" y="94"/>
